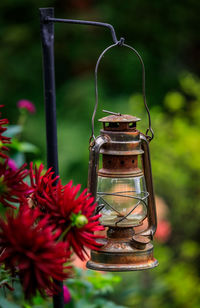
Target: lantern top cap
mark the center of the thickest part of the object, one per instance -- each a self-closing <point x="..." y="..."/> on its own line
<point x="119" y="118"/>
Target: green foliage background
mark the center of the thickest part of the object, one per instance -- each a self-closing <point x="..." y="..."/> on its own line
<point x="166" y="33"/>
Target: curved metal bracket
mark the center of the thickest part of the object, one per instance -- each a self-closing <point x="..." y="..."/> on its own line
<point x="151" y="216"/>
<point x="86" y="23"/>
<point x="94" y="163"/>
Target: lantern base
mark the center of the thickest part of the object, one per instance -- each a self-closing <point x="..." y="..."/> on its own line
<point x="118" y="254"/>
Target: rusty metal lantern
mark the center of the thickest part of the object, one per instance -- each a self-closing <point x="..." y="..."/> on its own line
<point x="123" y="191"/>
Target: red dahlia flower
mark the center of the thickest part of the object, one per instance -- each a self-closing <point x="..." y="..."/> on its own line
<point x="29" y="250"/>
<point x="3" y="139"/>
<point x="41" y="183"/>
<point x="75" y="217"/>
<point x="12" y="187"/>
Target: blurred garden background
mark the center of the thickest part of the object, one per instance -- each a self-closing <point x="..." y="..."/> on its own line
<point x="166" y="34"/>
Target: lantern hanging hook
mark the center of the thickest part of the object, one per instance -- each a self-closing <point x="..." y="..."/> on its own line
<point x="122" y="44"/>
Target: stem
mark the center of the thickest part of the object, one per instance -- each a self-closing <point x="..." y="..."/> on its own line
<point x="65" y="232"/>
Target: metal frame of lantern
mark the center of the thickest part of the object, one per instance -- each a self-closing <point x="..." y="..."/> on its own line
<point x="47" y="21"/>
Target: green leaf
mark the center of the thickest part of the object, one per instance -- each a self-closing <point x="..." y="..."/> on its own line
<point x="83" y="303"/>
<point x="4" y="303"/>
<point x="101" y="302"/>
<point x="13" y="130"/>
<point x="37" y="300"/>
<point x="27" y="147"/>
<point x="24" y="147"/>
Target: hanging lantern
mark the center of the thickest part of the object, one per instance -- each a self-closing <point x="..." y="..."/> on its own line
<point x="123" y="191"/>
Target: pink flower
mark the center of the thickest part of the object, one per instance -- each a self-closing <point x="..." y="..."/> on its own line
<point x="163" y="231"/>
<point x="67" y="295"/>
<point x="25" y="104"/>
<point x="3" y="139"/>
<point x="12" y="164"/>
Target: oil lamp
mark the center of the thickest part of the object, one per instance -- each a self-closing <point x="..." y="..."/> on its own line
<point x="124" y="193"/>
<point x="123" y="190"/>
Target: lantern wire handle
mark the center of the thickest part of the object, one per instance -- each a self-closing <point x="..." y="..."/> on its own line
<point x="121" y="43"/>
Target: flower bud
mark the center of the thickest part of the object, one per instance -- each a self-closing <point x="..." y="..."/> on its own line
<point x="79" y="220"/>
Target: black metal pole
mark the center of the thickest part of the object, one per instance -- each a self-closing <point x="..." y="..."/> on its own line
<point x="47" y="36"/>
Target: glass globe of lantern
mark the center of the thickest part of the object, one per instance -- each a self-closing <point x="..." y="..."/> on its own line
<point x="123" y="201"/>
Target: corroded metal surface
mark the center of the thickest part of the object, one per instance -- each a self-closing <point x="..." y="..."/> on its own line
<point x="120" y="166"/>
<point x="122" y="262"/>
<point x="94" y="163"/>
<point x="152" y="218"/>
<point x="121" y="267"/>
<point x="122" y="143"/>
<point x="118" y="254"/>
<point x="139" y="241"/>
<point x="119" y="118"/>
